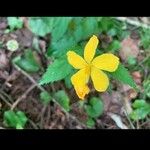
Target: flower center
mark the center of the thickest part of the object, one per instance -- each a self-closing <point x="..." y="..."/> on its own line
<point x="88" y="69"/>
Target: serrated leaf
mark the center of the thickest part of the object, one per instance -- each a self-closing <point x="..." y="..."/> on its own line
<point x="96" y="107"/>
<point x="58" y="70"/>
<point x="62" y="99"/>
<point x="123" y="75"/>
<point x="61" y="26"/>
<point x="60" y="47"/>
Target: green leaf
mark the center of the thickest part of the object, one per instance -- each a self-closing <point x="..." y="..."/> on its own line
<point x="61" y="26"/>
<point x="41" y="26"/>
<point x="95" y="108"/>
<point x="115" y="45"/>
<point x="139" y="103"/>
<point x="90" y="122"/>
<point x="45" y="97"/>
<point x="60" y="47"/>
<point x="141" y="109"/>
<point x="22" y="119"/>
<point x="15" y="120"/>
<point x="27" y="62"/>
<point x="90" y="26"/>
<point x="123" y="75"/>
<point x="62" y="98"/>
<point x="58" y="70"/>
<point x="131" y="60"/>
<point x="145" y="38"/>
<point x="14" y="23"/>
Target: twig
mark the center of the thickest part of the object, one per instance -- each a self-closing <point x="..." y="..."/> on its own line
<point x="3" y="98"/>
<point x="6" y="95"/>
<point x="131" y="124"/>
<point x="133" y="22"/>
<point x="33" y="124"/>
<point x="22" y="97"/>
<point x="42" y="89"/>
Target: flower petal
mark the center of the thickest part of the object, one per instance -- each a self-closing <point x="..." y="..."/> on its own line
<point x="75" y="60"/>
<point x="108" y="62"/>
<point x="80" y="78"/>
<point x="90" y="49"/>
<point x="79" y="81"/>
<point x="82" y="91"/>
<point x="100" y="79"/>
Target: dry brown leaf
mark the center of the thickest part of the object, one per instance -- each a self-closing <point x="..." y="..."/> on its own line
<point x="3" y="60"/>
<point x="129" y="48"/>
<point x="137" y="76"/>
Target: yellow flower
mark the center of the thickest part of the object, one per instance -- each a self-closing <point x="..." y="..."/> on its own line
<point x="90" y="67"/>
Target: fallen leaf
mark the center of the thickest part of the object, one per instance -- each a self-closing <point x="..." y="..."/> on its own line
<point x="132" y="94"/>
<point x="3" y="60"/>
<point x="118" y="121"/>
<point x="112" y="102"/>
<point x="137" y="77"/>
<point x="129" y="48"/>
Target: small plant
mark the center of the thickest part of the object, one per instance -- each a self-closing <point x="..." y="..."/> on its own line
<point x="28" y="62"/>
<point x="15" y="119"/>
<point x="62" y="98"/>
<point x="89" y="67"/>
<point x="45" y="97"/>
<point x="141" y="109"/>
<point x="15" y="23"/>
<point x="94" y="109"/>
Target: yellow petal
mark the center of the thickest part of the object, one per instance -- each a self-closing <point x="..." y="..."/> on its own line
<point x="107" y="62"/>
<point x="82" y="91"/>
<point x="90" y="49"/>
<point x="75" y="60"/>
<point x="80" y="78"/>
<point x="100" y="79"/>
<point x="79" y="81"/>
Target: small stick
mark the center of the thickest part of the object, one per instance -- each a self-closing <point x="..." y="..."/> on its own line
<point x="133" y="22"/>
<point x="3" y="98"/>
<point x="22" y="97"/>
<point x="42" y="89"/>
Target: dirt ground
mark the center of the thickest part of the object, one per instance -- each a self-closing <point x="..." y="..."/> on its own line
<point x="15" y="85"/>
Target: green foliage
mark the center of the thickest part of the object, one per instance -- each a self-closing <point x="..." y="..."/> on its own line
<point x="123" y="75"/>
<point x="141" y="109"/>
<point x="145" y="38"/>
<point x="131" y="60"/>
<point x="112" y="27"/>
<point x="90" y="122"/>
<point x="15" y="119"/>
<point x="60" y="27"/>
<point x="114" y="46"/>
<point x="45" y="97"/>
<point x="62" y="98"/>
<point x="95" y="107"/>
<point x="14" y="23"/>
<point x="41" y="25"/>
<point x="146" y="85"/>
<point x="58" y="70"/>
<point x="28" y="62"/>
